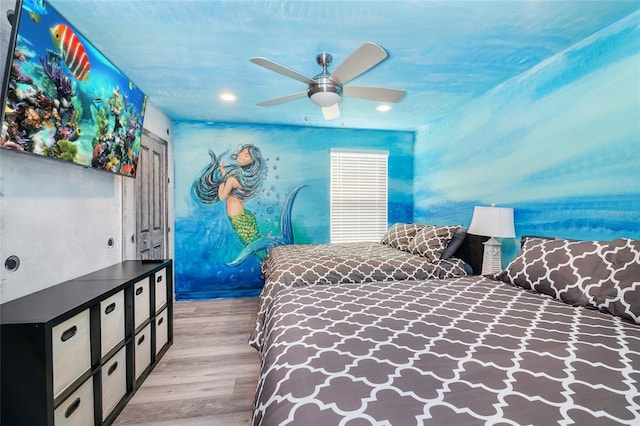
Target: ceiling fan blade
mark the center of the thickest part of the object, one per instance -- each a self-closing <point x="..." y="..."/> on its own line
<point x="281" y="69"/>
<point x="374" y="93"/>
<point x="331" y="112"/>
<point x="283" y="99"/>
<point x="362" y="60"/>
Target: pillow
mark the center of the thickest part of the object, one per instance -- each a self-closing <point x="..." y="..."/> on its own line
<point x="524" y="238"/>
<point x="432" y="241"/>
<point x="619" y="292"/>
<point x="400" y="235"/>
<point x="558" y="268"/>
<point x="598" y="274"/>
<point x="454" y="244"/>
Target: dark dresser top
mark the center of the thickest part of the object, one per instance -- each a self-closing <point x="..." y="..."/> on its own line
<point x="49" y="303"/>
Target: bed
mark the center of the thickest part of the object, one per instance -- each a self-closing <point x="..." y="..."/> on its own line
<point x="552" y="339"/>
<point x="406" y="252"/>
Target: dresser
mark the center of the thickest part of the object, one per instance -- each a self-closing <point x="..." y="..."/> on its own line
<point x="75" y="353"/>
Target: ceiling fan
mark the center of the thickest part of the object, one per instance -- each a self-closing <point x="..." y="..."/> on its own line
<point x="327" y="89"/>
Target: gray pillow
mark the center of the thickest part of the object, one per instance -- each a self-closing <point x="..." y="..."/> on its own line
<point x="454" y="244"/>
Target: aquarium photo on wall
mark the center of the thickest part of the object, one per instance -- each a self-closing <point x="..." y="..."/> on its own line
<point x="63" y="99"/>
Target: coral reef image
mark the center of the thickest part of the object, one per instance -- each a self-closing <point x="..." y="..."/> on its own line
<point x="65" y="100"/>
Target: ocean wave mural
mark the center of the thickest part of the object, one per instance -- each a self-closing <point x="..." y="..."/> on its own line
<point x="559" y="143"/>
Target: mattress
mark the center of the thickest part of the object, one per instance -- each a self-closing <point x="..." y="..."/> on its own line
<point x="301" y="265"/>
<point x="461" y="351"/>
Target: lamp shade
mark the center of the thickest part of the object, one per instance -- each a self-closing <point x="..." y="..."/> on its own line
<point x="492" y="222"/>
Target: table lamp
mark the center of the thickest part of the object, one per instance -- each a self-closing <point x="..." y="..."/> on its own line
<point x="492" y="222"/>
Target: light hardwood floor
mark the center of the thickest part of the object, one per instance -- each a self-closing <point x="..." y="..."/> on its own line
<point x="208" y="376"/>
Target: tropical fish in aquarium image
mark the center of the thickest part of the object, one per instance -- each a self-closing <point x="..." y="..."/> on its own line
<point x="65" y="100"/>
<point x="71" y="50"/>
<point x="35" y="8"/>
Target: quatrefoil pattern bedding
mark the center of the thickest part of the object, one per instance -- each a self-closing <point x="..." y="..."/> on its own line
<point x="301" y="265"/>
<point x="604" y="275"/>
<point x="432" y="241"/>
<point x="464" y="351"/>
<point x="400" y="235"/>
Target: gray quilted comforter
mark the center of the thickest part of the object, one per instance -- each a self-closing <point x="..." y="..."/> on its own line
<point x="464" y="351"/>
<point x="301" y="265"/>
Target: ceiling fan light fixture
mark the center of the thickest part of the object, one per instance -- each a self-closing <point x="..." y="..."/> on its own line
<point x="327" y="88"/>
<point x="324" y="92"/>
<point x="325" y="99"/>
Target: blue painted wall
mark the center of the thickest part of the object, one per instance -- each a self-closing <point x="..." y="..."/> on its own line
<point x="204" y="239"/>
<point x="560" y="144"/>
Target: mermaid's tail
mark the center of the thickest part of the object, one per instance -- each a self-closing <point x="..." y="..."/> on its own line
<point x="286" y="227"/>
<point x="261" y="245"/>
<point x="246" y="226"/>
<point x="259" y="248"/>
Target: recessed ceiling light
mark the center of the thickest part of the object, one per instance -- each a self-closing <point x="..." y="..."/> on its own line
<point x="383" y="108"/>
<point x="228" y="97"/>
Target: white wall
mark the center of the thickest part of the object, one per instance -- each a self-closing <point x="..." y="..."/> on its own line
<point x="58" y="217"/>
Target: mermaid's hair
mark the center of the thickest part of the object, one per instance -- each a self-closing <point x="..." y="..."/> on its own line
<point x="250" y="176"/>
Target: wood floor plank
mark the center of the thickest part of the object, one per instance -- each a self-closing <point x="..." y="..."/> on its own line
<point x="208" y="376"/>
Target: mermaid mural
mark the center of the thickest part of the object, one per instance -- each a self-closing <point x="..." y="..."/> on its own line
<point x="234" y="183"/>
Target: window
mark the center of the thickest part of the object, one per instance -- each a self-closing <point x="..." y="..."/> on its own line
<point x="358" y="195"/>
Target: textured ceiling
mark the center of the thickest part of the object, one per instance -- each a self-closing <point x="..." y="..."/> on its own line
<point x="183" y="54"/>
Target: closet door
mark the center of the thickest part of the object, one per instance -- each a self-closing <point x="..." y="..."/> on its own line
<point x="151" y="183"/>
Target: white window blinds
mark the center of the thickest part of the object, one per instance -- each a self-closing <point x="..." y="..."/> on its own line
<point x="358" y="195"/>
